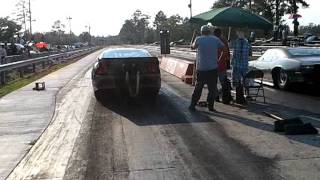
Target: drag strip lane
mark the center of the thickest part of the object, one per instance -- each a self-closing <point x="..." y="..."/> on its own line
<point x="138" y="140"/>
<point x="48" y="158"/>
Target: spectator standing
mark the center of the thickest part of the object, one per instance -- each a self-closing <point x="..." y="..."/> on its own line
<point x="252" y="37"/>
<point x="3" y="54"/>
<point x="14" y="49"/>
<point x="295" y="26"/>
<point x="241" y="51"/>
<point x="206" y="66"/>
<point x="223" y="66"/>
<point x="275" y="33"/>
<point x="285" y="32"/>
<point x="280" y="32"/>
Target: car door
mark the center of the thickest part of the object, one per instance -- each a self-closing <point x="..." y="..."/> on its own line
<point x="265" y="62"/>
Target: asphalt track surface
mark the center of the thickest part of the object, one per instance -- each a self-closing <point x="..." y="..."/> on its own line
<point x="136" y="139"/>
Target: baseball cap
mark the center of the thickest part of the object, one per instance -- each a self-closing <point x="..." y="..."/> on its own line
<point x="205" y="28"/>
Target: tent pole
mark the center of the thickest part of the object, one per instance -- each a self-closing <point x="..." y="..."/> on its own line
<point x="194" y="71"/>
<point x="229" y="33"/>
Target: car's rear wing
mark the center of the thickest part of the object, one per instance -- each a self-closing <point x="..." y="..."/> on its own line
<point x="131" y="59"/>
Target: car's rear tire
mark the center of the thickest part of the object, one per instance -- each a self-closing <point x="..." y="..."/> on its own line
<point x="151" y="96"/>
<point x="99" y="95"/>
<point x="282" y="79"/>
<point x="103" y="95"/>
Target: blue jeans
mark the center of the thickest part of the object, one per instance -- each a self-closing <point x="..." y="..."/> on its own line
<point x="222" y="77"/>
<point x="238" y="76"/>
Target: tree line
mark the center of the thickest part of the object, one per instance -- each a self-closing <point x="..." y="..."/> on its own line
<point x="140" y="28"/>
<point x="273" y="10"/>
<point x="12" y="32"/>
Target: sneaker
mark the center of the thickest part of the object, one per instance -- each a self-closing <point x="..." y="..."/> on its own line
<point x="192" y="108"/>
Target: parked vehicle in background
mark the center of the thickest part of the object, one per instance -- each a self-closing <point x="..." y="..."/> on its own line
<point x="306" y="35"/>
<point x="284" y="66"/>
<point x="154" y="43"/>
<point x="313" y="40"/>
<point x="179" y="42"/>
<point x="13" y="48"/>
<point x="128" y="71"/>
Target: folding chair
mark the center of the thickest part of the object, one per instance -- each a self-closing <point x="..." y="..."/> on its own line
<point x="253" y="80"/>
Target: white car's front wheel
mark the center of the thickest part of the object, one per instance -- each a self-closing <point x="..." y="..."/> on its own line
<point x="282" y="79"/>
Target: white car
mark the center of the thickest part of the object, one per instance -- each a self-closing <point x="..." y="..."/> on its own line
<point x="283" y="66"/>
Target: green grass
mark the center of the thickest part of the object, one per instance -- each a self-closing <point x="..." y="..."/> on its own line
<point x="21" y="82"/>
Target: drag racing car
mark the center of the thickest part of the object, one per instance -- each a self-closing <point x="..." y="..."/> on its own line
<point x="284" y="66"/>
<point x="126" y="71"/>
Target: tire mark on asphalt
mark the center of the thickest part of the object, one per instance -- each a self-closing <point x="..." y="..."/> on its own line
<point x="193" y="146"/>
<point x="221" y="156"/>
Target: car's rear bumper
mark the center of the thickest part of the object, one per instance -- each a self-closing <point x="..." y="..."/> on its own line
<point x="146" y="83"/>
<point x="306" y="75"/>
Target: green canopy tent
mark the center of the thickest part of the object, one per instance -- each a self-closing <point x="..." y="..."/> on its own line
<point x="232" y="17"/>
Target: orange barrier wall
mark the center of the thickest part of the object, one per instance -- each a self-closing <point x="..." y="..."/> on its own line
<point x="180" y="68"/>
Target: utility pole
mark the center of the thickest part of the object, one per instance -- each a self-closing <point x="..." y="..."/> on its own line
<point x="190" y="6"/>
<point x="24" y="16"/>
<point x="194" y="64"/>
<point x="277" y="12"/>
<point x="89" y="28"/>
<point x="69" y="19"/>
<point x="295" y="21"/>
<point x="30" y="19"/>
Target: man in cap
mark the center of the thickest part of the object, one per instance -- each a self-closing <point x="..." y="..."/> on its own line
<point x="207" y="47"/>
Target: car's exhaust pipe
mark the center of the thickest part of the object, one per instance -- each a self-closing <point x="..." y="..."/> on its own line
<point x="137" y="89"/>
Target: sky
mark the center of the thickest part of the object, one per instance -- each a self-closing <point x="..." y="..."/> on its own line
<point x="106" y="17"/>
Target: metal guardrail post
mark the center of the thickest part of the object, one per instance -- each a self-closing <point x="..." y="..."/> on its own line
<point x="20" y="72"/>
<point x="2" y="77"/>
<point x="194" y="73"/>
<point x="33" y="68"/>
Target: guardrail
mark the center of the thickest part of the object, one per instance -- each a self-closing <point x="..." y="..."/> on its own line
<point x="191" y="54"/>
<point x="55" y="58"/>
<point x="14" y="58"/>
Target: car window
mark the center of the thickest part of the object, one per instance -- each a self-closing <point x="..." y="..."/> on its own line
<point x="278" y="54"/>
<point x="267" y="56"/>
<point x="304" y="51"/>
<point x="125" y="53"/>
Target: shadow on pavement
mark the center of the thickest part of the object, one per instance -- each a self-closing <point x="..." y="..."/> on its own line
<point x="145" y="111"/>
<point x="305" y="88"/>
<point x="246" y="121"/>
<point x="282" y="111"/>
<point x="313" y="140"/>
